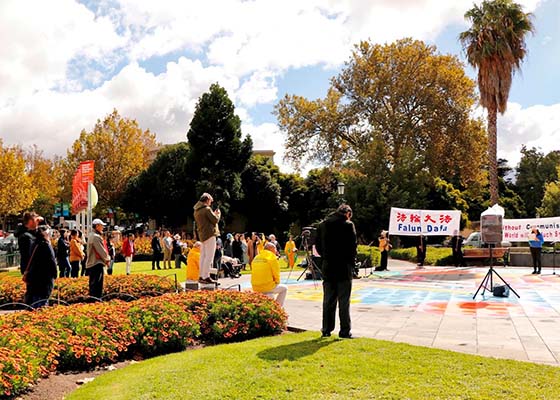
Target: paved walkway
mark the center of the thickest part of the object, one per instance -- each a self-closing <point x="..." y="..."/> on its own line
<point x="434" y="307"/>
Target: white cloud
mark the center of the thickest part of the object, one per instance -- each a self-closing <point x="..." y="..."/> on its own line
<point x="40" y="38"/>
<point x="51" y="56"/>
<point x="536" y="126"/>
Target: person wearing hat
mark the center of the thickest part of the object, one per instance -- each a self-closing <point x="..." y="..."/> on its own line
<point x="97" y="258"/>
<point x="128" y="251"/>
<point x="177" y="250"/>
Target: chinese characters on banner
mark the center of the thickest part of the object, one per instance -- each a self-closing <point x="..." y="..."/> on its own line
<point x="84" y="176"/>
<point x="517" y="230"/>
<point x="407" y="222"/>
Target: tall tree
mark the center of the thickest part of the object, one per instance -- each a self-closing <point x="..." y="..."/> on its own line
<point x="534" y="172"/>
<point x="550" y="206"/>
<point x="218" y="152"/>
<point x="17" y="192"/>
<point x="120" y="149"/>
<point x="495" y="45"/>
<point x="46" y="175"/>
<point x="404" y="96"/>
<point x="164" y="188"/>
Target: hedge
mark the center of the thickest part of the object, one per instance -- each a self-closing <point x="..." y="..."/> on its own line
<point x="371" y="252"/>
<point x="75" y="290"/>
<point x="81" y="336"/>
<point x="439" y="256"/>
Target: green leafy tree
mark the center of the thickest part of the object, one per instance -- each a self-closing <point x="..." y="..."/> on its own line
<point x="164" y="188"/>
<point x="534" y="172"/>
<point x="495" y="45"/>
<point x="261" y="204"/>
<point x="218" y="153"/>
<point x="550" y="206"/>
<point x="403" y="96"/>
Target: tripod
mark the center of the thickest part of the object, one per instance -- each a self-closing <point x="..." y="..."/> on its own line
<point x="488" y="279"/>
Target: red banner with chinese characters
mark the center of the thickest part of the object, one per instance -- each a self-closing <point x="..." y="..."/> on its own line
<point x="407" y="222"/>
<point x="84" y="175"/>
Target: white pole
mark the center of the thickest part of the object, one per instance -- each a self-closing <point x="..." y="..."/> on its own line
<point x="89" y="211"/>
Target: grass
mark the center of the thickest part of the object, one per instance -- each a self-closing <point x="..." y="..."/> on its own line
<point x="303" y="366"/>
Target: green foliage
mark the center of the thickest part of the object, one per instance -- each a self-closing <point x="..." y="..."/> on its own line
<point x="551" y="201"/>
<point x="370" y="252"/>
<point x="534" y="172"/>
<point x="303" y="366"/>
<point x="163" y="189"/>
<point x="434" y="255"/>
<point x="218" y="153"/>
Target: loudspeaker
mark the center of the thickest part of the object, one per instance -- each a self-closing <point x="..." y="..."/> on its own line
<point x="500" y="291"/>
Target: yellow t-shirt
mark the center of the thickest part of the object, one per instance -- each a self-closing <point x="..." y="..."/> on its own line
<point x="265" y="274"/>
<point x="193" y="264"/>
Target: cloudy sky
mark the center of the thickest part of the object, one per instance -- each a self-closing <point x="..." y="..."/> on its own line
<point x="66" y="63"/>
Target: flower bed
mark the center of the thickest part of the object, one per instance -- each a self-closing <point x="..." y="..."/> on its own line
<point x="33" y="344"/>
<point x="74" y="290"/>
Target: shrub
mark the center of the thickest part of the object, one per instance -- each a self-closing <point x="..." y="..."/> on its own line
<point x="439" y="256"/>
<point x="81" y="336"/>
<point x="371" y="252"/>
<point x="75" y="290"/>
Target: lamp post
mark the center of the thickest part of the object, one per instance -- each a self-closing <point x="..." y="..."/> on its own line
<point x="340" y="188"/>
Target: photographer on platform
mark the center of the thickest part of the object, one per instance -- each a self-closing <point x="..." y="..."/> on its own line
<point x="337" y="244"/>
<point x="207" y="229"/>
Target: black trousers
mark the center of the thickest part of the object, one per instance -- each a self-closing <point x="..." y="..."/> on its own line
<point x="95" y="274"/>
<point x="156" y="257"/>
<point x="75" y="271"/>
<point x="384" y="256"/>
<point x="420" y="256"/>
<point x="333" y="293"/>
<point x="536" y="254"/>
<point x="458" y="259"/>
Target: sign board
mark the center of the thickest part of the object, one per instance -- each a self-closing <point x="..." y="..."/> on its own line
<point x="83" y="177"/>
<point x="407" y="222"/>
<point x="65" y="209"/>
<point x="517" y="230"/>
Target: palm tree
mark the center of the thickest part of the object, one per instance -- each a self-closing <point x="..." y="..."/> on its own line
<point x="495" y="45"/>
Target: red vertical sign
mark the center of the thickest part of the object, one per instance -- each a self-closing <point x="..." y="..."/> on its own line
<point x="84" y="175"/>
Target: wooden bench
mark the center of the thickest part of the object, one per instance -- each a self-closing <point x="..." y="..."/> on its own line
<point x="484" y="254"/>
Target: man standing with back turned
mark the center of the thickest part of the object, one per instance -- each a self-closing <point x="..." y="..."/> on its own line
<point x="336" y="242"/>
<point x="207" y="229"/>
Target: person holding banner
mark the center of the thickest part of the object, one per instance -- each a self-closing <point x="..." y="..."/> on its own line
<point x="536" y="241"/>
<point x="384" y="247"/>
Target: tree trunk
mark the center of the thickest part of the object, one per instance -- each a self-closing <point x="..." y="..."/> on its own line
<point x="493" y="154"/>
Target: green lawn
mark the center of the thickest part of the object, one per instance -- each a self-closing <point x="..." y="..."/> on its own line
<point x="303" y="366"/>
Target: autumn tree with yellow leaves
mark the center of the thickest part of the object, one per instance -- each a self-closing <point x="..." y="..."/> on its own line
<point x="17" y="191"/>
<point x="120" y="149"/>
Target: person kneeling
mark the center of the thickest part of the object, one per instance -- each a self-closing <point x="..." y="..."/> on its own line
<point x="265" y="276"/>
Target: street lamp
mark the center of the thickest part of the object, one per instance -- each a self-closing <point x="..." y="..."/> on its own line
<point x="340" y="188"/>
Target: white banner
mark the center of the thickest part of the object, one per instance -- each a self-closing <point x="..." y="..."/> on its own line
<point x="407" y="222"/>
<point x="517" y="230"/>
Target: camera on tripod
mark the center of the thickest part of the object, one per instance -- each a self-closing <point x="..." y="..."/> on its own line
<point x="308" y="238"/>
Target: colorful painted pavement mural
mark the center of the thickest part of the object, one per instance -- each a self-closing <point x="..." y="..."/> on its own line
<point x="449" y="291"/>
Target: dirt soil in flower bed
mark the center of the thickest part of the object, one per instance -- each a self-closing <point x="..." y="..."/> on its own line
<point x="57" y="386"/>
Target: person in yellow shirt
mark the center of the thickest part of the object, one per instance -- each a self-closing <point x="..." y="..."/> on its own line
<point x="193" y="262"/>
<point x="384" y="247"/>
<point x="76" y="253"/>
<point x="291" y="252"/>
<point x="260" y="245"/>
<point x="265" y="277"/>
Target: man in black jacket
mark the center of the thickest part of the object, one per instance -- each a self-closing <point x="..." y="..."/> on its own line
<point x="336" y="243"/>
<point x="26" y="237"/>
